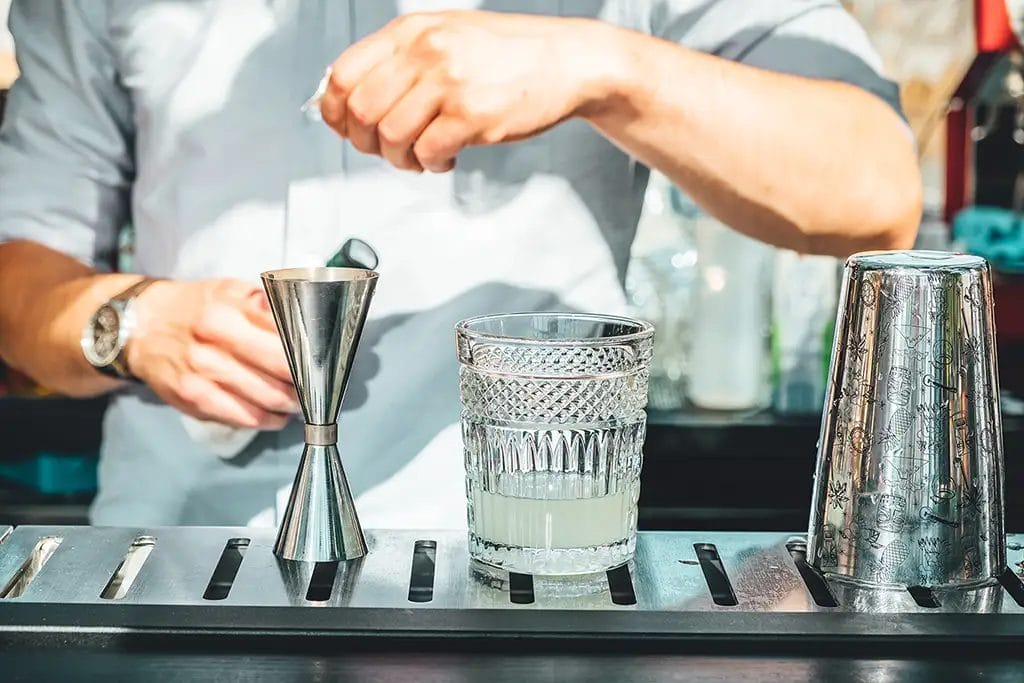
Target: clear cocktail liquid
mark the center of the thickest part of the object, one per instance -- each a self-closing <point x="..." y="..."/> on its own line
<point x="553" y="501"/>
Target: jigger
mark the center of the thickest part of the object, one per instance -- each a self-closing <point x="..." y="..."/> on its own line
<point x="909" y="482"/>
<point x="320" y="314"/>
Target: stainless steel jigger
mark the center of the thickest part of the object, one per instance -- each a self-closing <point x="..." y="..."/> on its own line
<point x="320" y="314"/>
<point x="909" y="482"/>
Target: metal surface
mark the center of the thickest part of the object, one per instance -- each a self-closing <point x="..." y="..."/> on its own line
<point x="321" y="435"/>
<point x="51" y="660"/>
<point x="909" y="482"/>
<point x="373" y="597"/>
<point x="320" y="314"/>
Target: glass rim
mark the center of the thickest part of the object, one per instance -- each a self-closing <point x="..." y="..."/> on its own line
<point x="642" y="329"/>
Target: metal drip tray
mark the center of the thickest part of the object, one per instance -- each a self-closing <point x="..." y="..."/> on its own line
<point x="421" y="584"/>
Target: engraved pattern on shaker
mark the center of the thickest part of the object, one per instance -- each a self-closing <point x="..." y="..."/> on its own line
<point x="837" y="494"/>
<point x="907" y="470"/>
<point x="868" y="295"/>
<point x="929" y="516"/>
<point x="972" y="351"/>
<point x="943" y="488"/>
<point x="938" y="304"/>
<point x="974" y="295"/>
<point x="829" y="548"/>
<point x="986" y="441"/>
<point x="961" y="436"/>
<point x="891" y="512"/>
<point x="899" y="424"/>
<point x="911" y="335"/>
<point x="934" y="551"/>
<point x="970" y="501"/>
<point x="972" y="559"/>
<point x="933" y="382"/>
<point x="942" y="355"/>
<point x="931" y="424"/>
<point x="860" y="441"/>
<point x="898" y="386"/>
<point x="865" y="534"/>
<point x="858" y="348"/>
<point x="890" y="560"/>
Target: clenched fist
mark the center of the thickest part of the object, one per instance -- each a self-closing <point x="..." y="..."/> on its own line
<point x="426" y="85"/>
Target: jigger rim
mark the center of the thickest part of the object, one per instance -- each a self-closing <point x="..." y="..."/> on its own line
<point x="319" y="274"/>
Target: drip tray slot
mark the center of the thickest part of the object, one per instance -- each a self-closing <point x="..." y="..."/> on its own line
<point x="757" y="584"/>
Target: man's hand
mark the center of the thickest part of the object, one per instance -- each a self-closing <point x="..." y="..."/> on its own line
<point x="210" y="349"/>
<point x="426" y="85"/>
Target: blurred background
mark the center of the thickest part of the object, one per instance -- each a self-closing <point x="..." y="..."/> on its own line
<point x="769" y="312"/>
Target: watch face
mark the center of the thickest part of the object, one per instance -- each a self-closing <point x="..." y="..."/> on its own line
<point x="102" y="344"/>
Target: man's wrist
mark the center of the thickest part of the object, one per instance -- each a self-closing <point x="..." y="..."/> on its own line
<point x="146" y="307"/>
<point x="607" y="60"/>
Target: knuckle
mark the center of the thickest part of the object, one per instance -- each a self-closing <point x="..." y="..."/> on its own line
<point x="433" y="40"/>
<point x="473" y="110"/>
<point x="452" y="74"/>
<point x="195" y="356"/>
<point x="361" y="110"/>
<point x="333" y="116"/>
<point x="425" y="151"/>
<point x="492" y="136"/>
<point x="409" y="163"/>
<point x="392" y="134"/>
<point x="403" y="163"/>
<point x="362" y="143"/>
<point x="190" y="391"/>
<point x="207" y="324"/>
<point x="343" y="78"/>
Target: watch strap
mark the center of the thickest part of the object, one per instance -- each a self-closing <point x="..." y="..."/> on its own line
<point x="118" y="368"/>
<point x="133" y="291"/>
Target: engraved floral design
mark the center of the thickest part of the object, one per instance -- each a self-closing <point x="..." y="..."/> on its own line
<point x="838" y="495"/>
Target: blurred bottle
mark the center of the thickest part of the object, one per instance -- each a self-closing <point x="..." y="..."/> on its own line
<point x="660" y="286"/>
<point x="729" y="354"/>
<point x="804" y="297"/>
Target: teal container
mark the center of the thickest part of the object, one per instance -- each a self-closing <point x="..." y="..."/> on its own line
<point x="53" y="474"/>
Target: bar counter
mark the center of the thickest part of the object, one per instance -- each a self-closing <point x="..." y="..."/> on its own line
<point x="750" y="612"/>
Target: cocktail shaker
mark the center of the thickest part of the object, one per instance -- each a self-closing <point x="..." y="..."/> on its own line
<point x="909" y="481"/>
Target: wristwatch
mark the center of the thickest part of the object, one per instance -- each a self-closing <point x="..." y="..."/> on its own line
<point x="106" y="335"/>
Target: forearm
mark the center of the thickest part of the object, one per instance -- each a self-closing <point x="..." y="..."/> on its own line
<point x="815" y="166"/>
<point x="47" y="299"/>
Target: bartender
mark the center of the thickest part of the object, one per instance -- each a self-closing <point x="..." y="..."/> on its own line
<point x="494" y="162"/>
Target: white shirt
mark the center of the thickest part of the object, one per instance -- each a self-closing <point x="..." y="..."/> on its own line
<point x="182" y="118"/>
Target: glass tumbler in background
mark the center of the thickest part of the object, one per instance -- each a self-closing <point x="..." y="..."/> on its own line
<point x="553" y="425"/>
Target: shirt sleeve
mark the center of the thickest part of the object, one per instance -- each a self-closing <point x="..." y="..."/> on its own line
<point x="66" y="143"/>
<point x="810" y="38"/>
